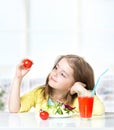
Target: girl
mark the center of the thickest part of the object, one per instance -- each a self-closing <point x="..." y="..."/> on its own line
<point x="70" y="76"/>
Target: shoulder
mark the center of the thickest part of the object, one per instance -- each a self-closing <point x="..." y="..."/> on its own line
<point x="38" y="89"/>
<point x="35" y="91"/>
<point x="97" y="99"/>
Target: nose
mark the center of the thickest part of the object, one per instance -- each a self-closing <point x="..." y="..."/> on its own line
<point x="55" y="73"/>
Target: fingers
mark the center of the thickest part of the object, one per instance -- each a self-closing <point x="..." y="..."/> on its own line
<point x="80" y="84"/>
<point x="77" y="88"/>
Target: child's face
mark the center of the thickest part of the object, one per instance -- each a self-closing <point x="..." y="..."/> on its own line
<point x="61" y="77"/>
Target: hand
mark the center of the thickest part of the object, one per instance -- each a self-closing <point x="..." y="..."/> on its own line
<point x="21" y="71"/>
<point x="78" y="87"/>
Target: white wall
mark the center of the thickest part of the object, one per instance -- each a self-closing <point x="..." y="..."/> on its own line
<point x="84" y="27"/>
<point x="97" y="33"/>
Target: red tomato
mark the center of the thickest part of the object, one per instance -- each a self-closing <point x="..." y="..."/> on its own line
<point x="44" y="115"/>
<point x="27" y="63"/>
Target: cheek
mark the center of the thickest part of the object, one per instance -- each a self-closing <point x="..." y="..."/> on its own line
<point x="65" y="84"/>
<point x="68" y="84"/>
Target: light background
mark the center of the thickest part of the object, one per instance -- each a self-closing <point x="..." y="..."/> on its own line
<point x="44" y="29"/>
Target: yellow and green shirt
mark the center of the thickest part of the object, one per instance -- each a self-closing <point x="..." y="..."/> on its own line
<point x="35" y="99"/>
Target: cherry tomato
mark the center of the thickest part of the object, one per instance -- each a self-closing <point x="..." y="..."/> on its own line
<point x="44" y="115"/>
<point x="27" y="63"/>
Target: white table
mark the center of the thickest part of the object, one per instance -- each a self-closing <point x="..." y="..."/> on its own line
<point x="31" y="120"/>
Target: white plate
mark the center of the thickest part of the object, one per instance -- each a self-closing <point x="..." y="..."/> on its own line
<point x="63" y="116"/>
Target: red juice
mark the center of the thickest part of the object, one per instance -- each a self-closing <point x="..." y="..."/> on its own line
<point x="85" y="106"/>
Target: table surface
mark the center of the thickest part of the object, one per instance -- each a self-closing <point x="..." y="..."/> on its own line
<point x="32" y="120"/>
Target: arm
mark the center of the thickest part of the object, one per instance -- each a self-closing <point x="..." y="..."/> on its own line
<point x="14" y="97"/>
<point x="79" y="88"/>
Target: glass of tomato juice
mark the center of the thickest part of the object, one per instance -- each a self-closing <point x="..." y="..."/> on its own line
<point x="86" y="106"/>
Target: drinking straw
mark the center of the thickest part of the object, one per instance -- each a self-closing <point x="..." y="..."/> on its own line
<point x="94" y="89"/>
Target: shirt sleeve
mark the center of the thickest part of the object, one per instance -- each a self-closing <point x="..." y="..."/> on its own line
<point x="27" y="101"/>
<point x="98" y="107"/>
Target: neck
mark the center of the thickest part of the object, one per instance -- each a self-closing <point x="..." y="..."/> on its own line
<point x="60" y="98"/>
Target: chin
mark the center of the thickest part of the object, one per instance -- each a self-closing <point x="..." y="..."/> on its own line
<point x="51" y="84"/>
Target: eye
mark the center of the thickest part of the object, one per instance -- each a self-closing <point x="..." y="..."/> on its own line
<point x="62" y="74"/>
